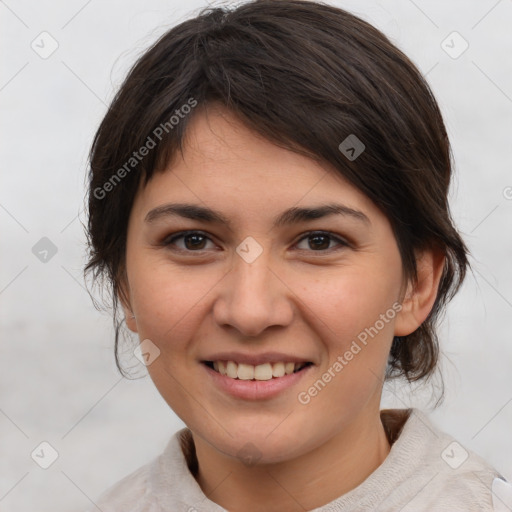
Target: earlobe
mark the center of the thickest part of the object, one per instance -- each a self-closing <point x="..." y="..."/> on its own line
<point x="421" y="296"/>
<point x="131" y="321"/>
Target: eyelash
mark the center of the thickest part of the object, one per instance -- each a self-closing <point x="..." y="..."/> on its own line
<point x="169" y="240"/>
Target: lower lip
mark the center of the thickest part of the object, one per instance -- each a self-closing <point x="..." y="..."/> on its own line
<point x="256" y="389"/>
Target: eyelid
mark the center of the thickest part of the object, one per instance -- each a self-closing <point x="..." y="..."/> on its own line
<point x="180" y="234"/>
<point x="342" y="242"/>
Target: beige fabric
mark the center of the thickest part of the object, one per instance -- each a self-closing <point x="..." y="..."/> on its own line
<point x="426" y="470"/>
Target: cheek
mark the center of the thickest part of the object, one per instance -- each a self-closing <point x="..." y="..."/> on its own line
<point x="168" y="300"/>
<point x="170" y="306"/>
<point x="350" y="300"/>
<point x="353" y="316"/>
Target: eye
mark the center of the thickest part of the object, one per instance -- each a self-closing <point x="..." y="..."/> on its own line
<point x="319" y="241"/>
<point x="194" y="241"/>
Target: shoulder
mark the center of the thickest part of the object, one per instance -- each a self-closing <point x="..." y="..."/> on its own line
<point x="443" y="474"/>
<point x="126" y="494"/>
<point x="501" y="495"/>
<point x="488" y="488"/>
<point x="164" y="483"/>
<point x="146" y="488"/>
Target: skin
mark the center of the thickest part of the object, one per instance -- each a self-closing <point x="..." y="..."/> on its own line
<point x="301" y="296"/>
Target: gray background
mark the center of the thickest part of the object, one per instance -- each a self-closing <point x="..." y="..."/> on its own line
<point x="58" y="382"/>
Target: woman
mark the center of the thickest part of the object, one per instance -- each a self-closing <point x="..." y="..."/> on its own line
<point x="268" y="201"/>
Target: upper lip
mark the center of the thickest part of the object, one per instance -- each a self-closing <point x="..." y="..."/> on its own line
<point x="256" y="359"/>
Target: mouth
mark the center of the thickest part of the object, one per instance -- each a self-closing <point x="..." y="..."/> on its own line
<point x="261" y="372"/>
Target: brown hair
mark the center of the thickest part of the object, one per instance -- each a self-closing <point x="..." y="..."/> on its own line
<point x="306" y="76"/>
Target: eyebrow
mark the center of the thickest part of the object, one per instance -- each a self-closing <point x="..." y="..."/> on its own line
<point x="290" y="216"/>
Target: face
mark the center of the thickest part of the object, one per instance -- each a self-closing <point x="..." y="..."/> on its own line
<point x="261" y="287"/>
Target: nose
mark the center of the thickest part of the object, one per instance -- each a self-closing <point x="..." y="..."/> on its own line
<point x="253" y="298"/>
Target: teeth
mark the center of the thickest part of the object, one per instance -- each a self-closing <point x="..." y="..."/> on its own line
<point x="245" y="371"/>
<point x="278" y="370"/>
<point x="231" y="369"/>
<point x="265" y="371"/>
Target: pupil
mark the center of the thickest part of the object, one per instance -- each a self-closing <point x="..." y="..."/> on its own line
<point x="194" y="244"/>
<point x="316" y="237"/>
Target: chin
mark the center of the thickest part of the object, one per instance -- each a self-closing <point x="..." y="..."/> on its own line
<point x="258" y="445"/>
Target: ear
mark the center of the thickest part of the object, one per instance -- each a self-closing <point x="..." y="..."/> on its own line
<point x="124" y="299"/>
<point x="420" y="297"/>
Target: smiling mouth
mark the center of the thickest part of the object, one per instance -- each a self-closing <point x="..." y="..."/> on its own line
<point x="266" y="371"/>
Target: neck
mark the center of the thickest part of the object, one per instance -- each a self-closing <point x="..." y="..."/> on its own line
<point x="314" y="479"/>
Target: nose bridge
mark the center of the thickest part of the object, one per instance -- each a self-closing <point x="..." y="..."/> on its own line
<point x="252" y="298"/>
<point x="252" y="279"/>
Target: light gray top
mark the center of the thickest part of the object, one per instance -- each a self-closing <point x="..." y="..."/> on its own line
<point x="426" y="470"/>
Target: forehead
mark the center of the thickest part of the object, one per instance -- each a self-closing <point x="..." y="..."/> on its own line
<point x="219" y="144"/>
<point x="229" y="167"/>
